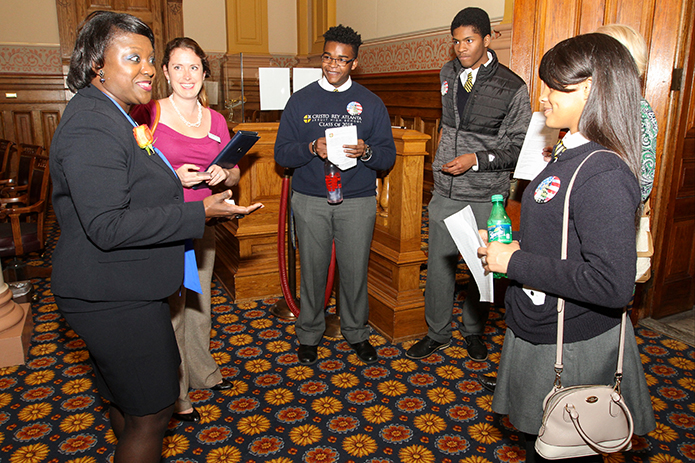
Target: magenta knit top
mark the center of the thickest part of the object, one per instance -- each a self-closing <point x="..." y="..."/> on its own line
<point x="180" y="149"/>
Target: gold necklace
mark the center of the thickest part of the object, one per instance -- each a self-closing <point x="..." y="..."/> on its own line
<point x="188" y="124"/>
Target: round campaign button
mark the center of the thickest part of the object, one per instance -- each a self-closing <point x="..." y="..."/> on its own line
<point x="354" y="108"/>
<point x="547" y="189"/>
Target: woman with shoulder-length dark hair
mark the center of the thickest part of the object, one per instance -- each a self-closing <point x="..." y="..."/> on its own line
<point x="591" y="87"/>
<point x="123" y="227"/>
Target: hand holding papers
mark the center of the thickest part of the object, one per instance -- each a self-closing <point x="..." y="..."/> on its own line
<point x="336" y="137"/>
<point x="464" y="231"/>
<point x="538" y="136"/>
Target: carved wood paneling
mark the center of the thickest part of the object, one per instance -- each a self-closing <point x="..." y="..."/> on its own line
<point x="33" y="115"/>
<point x="173" y="18"/>
<point x="67" y="27"/>
<point x="413" y="101"/>
<point x="23" y="127"/>
<point x="247" y="249"/>
<point x="49" y="123"/>
<point x="672" y="289"/>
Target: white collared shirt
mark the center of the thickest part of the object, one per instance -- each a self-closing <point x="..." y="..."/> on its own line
<point x="572" y="140"/>
<point x="464" y="74"/>
<point x="323" y="82"/>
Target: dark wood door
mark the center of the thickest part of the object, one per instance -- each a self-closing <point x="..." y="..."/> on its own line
<point x="165" y="17"/>
<point x="672" y="288"/>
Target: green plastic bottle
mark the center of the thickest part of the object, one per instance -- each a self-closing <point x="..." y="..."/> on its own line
<point x="499" y="225"/>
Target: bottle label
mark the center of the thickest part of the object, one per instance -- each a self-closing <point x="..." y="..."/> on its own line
<point x="333" y="182"/>
<point x="501" y="232"/>
<point x="334" y="195"/>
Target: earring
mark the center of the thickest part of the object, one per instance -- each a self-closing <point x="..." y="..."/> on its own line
<point x="101" y="76"/>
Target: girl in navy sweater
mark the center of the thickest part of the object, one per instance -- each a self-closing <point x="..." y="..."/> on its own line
<point x="592" y="88"/>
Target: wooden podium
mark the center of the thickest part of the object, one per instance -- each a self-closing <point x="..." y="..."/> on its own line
<point x="247" y="262"/>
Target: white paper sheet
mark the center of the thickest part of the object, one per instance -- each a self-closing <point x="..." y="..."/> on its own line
<point x="336" y="137"/>
<point x="463" y="229"/>
<point x="274" y="86"/>
<point x="301" y="77"/>
<point x="538" y="136"/>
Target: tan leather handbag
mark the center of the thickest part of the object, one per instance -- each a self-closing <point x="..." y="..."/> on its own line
<point x="583" y="420"/>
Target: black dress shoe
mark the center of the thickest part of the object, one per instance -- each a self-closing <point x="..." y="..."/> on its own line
<point x="192" y="417"/>
<point x="365" y="351"/>
<point x="307" y="355"/>
<point x="477" y="350"/>
<point x="222" y="386"/>
<point x="488" y="382"/>
<point x="425" y="347"/>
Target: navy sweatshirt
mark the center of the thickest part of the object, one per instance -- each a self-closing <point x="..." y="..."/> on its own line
<point x="598" y="277"/>
<point x="312" y="110"/>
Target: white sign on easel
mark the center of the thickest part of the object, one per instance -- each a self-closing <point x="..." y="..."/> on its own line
<point x="274" y="86"/>
<point x="301" y="77"/>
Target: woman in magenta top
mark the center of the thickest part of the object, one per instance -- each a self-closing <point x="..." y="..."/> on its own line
<point x="191" y="135"/>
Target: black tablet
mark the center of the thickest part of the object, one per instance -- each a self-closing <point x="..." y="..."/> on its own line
<point x="238" y="146"/>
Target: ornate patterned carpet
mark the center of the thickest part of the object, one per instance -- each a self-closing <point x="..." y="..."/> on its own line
<point x="338" y="410"/>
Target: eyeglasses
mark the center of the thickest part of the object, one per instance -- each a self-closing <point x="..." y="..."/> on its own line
<point x="342" y="62"/>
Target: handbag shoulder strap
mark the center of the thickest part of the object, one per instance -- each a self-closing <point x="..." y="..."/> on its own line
<point x="561" y="301"/>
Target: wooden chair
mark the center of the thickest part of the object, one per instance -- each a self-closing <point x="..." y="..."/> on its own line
<point x="20" y="173"/>
<point x="23" y="230"/>
<point x="7" y="151"/>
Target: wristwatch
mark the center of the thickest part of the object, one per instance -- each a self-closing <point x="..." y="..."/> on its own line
<point x="367" y="153"/>
<point x="313" y="148"/>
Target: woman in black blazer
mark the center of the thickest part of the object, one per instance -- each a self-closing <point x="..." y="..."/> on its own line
<point x="123" y="226"/>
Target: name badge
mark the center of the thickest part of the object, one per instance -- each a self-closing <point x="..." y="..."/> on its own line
<point x="214" y="137"/>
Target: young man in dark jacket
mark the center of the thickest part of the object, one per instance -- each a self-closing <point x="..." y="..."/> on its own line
<point x="485" y="115"/>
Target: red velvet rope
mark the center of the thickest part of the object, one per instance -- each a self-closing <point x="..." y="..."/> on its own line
<point x="282" y="255"/>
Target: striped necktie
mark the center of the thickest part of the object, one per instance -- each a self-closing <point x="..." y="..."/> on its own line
<point x="558" y="149"/>
<point x="468" y="86"/>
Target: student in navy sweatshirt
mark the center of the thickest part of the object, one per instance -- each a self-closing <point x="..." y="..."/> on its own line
<point x="335" y="101"/>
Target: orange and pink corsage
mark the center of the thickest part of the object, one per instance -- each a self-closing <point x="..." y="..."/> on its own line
<point x="144" y="138"/>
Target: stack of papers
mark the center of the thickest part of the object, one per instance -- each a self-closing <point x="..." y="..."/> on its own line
<point x="463" y="228"/>
<point x="336" y="137"/>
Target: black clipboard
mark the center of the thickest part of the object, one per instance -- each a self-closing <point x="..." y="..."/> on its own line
<point x="238" y="146"/>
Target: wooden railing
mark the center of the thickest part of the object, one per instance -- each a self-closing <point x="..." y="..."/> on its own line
<point x="247" y="263"/>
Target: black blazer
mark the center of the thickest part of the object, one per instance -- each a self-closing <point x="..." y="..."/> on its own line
<point x="121" y="211"/>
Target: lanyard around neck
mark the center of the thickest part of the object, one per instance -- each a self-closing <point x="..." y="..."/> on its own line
<point x="130" y="119"/>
